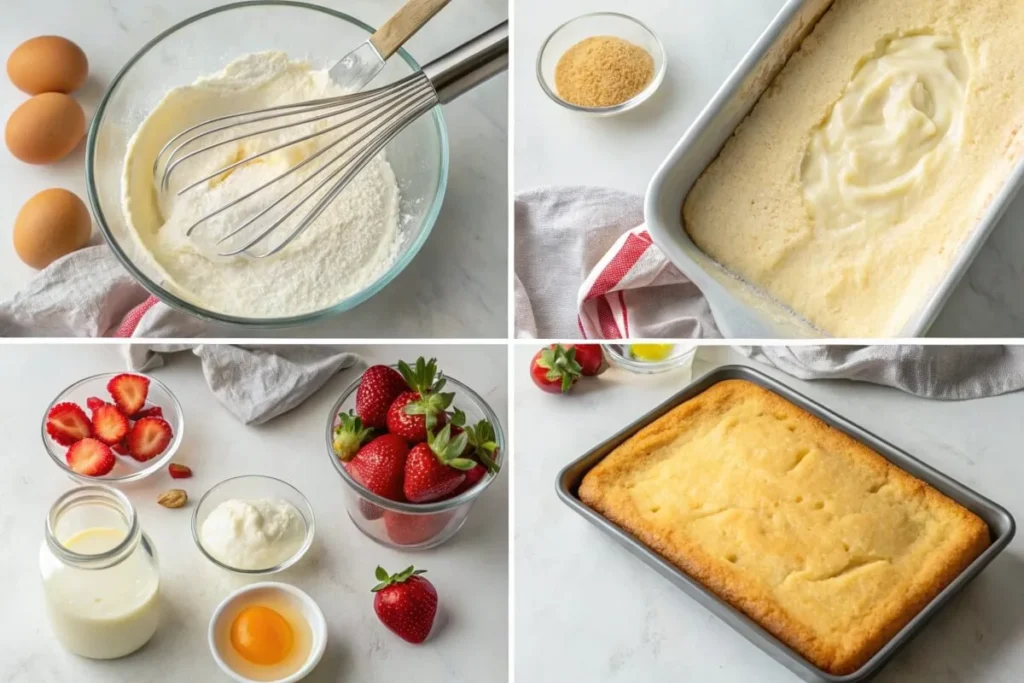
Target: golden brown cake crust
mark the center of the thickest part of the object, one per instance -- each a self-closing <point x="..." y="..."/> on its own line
<point x="820" y="540"/>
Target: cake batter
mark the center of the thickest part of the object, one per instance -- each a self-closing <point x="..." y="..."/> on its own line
<point x="850" y="188"/>
<point x="351" y="244"/>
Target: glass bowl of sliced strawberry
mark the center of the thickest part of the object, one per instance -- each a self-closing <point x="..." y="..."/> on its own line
<point x="115" y="427"/>
<point x="415" y="449"/>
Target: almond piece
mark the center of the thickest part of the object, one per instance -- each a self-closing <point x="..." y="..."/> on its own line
<point x="174" y="498"/>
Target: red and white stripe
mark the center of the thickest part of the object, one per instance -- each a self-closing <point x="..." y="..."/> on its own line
<point x="632" y="262"/>
<point x="134" y="317"/>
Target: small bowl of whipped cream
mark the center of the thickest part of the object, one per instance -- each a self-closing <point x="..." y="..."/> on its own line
<point x="253" y="524"/>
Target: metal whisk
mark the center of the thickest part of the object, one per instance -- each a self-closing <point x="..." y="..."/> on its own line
<point x="365" y="122"/>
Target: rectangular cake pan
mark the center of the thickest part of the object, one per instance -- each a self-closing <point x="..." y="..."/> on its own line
<point x="1000" y="523"/>
<point x="742" y="310"/>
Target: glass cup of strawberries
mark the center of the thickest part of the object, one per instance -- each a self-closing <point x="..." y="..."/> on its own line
<point x="115" y="427"/>
<point x="415" y="449"/>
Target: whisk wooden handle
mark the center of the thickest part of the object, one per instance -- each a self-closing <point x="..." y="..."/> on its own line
<point x="404" y="24"/>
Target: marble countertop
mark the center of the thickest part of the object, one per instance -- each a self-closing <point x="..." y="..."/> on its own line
<point x="470" y="237"/>
<point x="704" y="42"/>
<point x="587" y="610"/>
<point x="470" y="572"/>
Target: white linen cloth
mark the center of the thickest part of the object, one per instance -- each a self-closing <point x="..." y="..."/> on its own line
<point x="256" y="383"/>
<point x="585" y="266"/>
<point x="88" y="293"/>
<point x="930" y="371"/>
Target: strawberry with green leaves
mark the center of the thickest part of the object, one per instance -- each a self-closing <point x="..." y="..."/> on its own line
<point x="435" y="469"/>
<point x="349" y="435"/>
<point x="406" y="603"/>
<point x="555" y="369"/>
<point x="421" y="410"/>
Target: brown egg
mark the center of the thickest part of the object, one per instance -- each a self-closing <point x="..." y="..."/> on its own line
<point x="47" y="64"/>
<point x="52" y="224"/>
<point x="45" y="128"/>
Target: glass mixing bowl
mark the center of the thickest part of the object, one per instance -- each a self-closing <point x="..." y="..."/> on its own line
<point x="203" y="45"/>
<point x="413" y="526"/>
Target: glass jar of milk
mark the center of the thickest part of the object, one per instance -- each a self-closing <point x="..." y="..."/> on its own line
<point x="100" y="575"/>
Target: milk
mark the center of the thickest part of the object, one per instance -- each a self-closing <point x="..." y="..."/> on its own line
<point x="101" y="613"/>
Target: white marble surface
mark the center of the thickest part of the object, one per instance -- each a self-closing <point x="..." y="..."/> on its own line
<point x="464" y="264"/>
<point x="470" y="571"/>
<point x="704" y="42"/>
<point x="587" y="610"/>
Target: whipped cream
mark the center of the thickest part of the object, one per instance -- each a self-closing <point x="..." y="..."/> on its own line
<point x="253" y="534"/>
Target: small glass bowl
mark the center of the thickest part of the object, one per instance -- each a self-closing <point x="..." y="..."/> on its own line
<point x="126" y="470"/>
<point x="228" y="609"/>
<point x="590" y="26"/>
<point x="412" y="526"/>
<point x="618" y="355"/>
<point x="251" y="487"/>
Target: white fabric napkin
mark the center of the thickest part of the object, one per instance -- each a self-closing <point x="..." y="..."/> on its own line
<point x="586" y="266"/>
<point x="938" y="372"/>
<point x="256" y="383"/>
<point x="88" y="293"/>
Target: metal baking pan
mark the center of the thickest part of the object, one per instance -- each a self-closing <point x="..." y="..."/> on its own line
<point x="1000" y="523"/>
<point x="742" y="310"/>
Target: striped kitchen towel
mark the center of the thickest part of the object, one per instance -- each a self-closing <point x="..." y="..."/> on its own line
<point x="586" y="267"/>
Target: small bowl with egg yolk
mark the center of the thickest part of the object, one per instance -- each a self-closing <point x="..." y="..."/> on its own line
<point x="267" y="631"/>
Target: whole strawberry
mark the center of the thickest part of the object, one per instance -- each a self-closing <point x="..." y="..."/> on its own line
<point x="435" y="469"/>
<point x="406" y="603"/>
<point x="591" y="359"/>
<point x="349" y="436"/>
<point x="380" y="466"/>
<point x="378" y="389"/>
<point x="555" y="370"/>
<point x="422" y="409"/>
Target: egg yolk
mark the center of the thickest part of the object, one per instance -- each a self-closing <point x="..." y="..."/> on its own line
<point x="261" y="635"/>
<point x="650" y="352"/>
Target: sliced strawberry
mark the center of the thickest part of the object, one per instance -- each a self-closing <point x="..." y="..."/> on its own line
<point x="149" y="438"/>
<point x="92" y="403"/>
<point x="152" y="411"/>
<point x="67" y="423"/>
<point x="129" y="392"/>
<point x="121" y="447"/>
<point x="179" y="471"/>
<point x="109" y="424"/>
<point x="90" y="457"/>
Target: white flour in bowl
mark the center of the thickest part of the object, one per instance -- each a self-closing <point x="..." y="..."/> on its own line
<point x="349" y="246"/>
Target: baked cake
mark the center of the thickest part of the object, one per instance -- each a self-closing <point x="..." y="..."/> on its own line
<point x="814" y="536"/>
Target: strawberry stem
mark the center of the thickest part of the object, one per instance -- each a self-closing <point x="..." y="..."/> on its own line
<point x="485" y="447"/>
<point x="449" y="450"/>
<point x="349" y="436"/>
<point x="384" y="579"/>
<point x="560" y="362"/>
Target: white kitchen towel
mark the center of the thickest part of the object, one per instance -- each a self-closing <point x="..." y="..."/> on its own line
<point x="939" y="372"/>
<point x="586" y="266"/>
<point x="256" y="383"/>
<point x="88" y="293"/>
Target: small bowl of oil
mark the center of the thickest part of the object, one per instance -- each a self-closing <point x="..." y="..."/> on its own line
<point x="268" y="632"/>
<point x="650" y="358"/>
